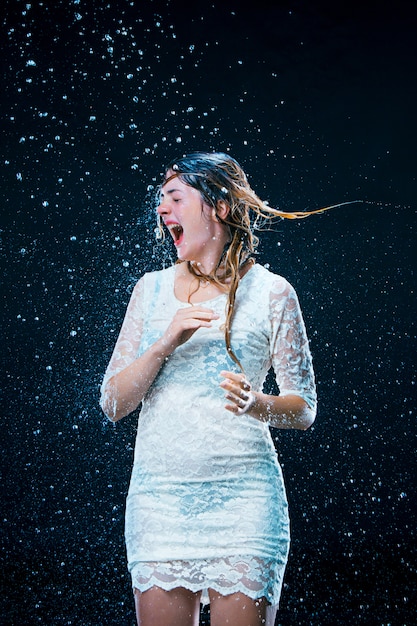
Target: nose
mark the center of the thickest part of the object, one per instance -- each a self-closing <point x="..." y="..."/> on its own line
<point x="162" y="208"/>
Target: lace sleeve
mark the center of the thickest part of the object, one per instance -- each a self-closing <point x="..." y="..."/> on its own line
<point x="290" y="352"/>
<point x="127" y="345"/>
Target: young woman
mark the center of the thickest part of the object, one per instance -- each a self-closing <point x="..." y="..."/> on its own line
<point x="206" y="512"/>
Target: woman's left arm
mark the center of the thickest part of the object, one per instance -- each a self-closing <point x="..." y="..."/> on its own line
<point x="290" y="356"/>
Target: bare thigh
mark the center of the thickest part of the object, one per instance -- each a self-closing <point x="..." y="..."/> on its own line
<point x="157" y="607"/>
<point x="240" y="610"/>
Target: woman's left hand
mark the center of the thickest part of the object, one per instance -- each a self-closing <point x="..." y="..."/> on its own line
<point x="239" y="392"/>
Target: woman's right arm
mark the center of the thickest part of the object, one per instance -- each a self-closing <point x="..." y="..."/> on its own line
<point x="124" y="391"/>
<point x="127" y="378"/>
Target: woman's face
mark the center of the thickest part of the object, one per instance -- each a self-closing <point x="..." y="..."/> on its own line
<point x="197" y="234"/>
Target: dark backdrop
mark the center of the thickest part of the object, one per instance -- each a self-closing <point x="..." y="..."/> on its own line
<point x="317" y="102"/>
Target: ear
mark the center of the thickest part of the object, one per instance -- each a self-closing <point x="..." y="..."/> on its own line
<point x="222" y="210"/>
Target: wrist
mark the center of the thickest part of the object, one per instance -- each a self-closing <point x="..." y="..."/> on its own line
<point x="261" y="407"/>
<point x="161" y="350"/>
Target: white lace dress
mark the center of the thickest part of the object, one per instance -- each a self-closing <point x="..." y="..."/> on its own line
<point x="206" y="506"/>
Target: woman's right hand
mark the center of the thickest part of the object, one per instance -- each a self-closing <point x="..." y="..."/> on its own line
<point x="183" y="326"/>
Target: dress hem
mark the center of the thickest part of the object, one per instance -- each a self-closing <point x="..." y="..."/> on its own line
<point x="205" y="599"/>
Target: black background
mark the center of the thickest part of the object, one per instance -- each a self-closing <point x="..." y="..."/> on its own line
<point x="317" y="101"/>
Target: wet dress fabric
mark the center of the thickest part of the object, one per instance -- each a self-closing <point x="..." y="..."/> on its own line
<point x="206" y="506"/>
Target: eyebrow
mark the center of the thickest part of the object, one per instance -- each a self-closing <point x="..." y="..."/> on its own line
<point x="170" y="191"/>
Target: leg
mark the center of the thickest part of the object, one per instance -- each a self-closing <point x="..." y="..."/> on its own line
<point x="240" y="610"/>
<point x="157" y="607"/>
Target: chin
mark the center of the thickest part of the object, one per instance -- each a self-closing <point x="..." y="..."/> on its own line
<point x="182" y="255"/>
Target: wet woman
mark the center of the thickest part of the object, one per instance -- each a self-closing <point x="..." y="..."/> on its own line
<point x="206" y="512"/>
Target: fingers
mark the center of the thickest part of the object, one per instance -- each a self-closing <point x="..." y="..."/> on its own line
<point x="238" y="392"/>
<point x="237" y="383"/>
<point x="197" y="313"/>
<point x="194" y="318"/>
<point x="185" y="323"/>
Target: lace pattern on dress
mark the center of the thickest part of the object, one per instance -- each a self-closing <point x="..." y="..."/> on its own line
<point x="253" y="576"/>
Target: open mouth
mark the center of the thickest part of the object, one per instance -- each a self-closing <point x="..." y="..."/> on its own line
<point x="177" y="233"/>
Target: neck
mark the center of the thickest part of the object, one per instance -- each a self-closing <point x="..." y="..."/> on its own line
<point x="210" y="265"/>
<point x="198" y="269"/>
